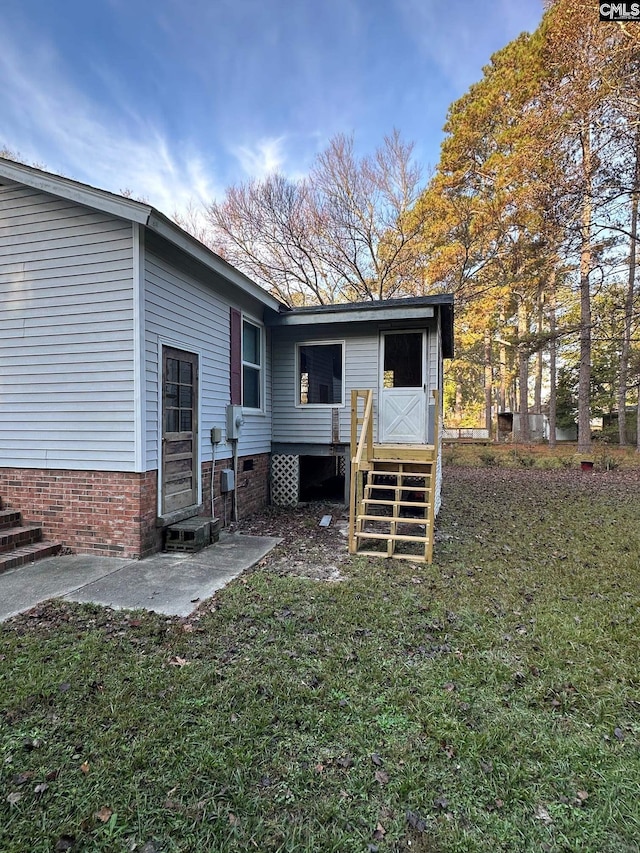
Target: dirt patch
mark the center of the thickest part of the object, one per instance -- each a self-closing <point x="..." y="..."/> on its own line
<point x="308" y="550"/>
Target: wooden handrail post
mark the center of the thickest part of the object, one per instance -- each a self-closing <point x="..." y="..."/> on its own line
<point x="361" y="451"/>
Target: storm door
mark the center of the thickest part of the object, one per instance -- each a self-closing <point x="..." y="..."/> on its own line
<point x="403" y="388"/>
<point x="179" y="430"/>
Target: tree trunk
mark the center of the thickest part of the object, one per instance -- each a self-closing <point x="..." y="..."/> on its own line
<point x="488" y="381"/>
<point x="584" y="380"/>
<point x="628" y="302"/>
<point x="523" y="372"/>
<point x="458" y="405"/>
<point x="502" y="402"/>
<point x="638" y="420"/>
<point x="537" y="393"/>
<point x="553" y="346"/>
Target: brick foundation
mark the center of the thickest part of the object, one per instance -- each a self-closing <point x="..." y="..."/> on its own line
<point x="114" y="513"/>
<point x="253" y="486"/>
<point x="96" y="512"/>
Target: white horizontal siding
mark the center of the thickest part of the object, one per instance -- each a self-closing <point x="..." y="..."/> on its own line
<point x="66" y="335"/>
<point x="312" y="424"/>
<point x="186" y="310"/>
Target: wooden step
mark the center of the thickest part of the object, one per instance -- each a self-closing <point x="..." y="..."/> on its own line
<point x="399" y="476"/>
<point x="404" y="452"/>
<point x="403" y="487"/>
<point x="408" y="504"/>
<point x="414" y="558"/>
<point x="397" y="537"/>
<point x="19" y="536"/>
<point x="394" y="518"/>
<point x="28" y="554"/>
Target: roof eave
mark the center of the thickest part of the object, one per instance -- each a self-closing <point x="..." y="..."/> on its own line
<point x="107" y="202"/>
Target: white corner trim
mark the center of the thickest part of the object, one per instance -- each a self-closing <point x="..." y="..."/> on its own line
<point x="139" y="365"/>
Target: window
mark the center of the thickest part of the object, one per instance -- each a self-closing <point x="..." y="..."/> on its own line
<point x="179" y="393"/>
<point x="251" y="366"/>
<point x="403" y="360"/>
<point x="320" y="375"/>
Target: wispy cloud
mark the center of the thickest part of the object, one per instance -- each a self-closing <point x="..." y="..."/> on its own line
<point x="459" y="37"/>
<point x="261" y="159"/>
<point x="113" y="147"/>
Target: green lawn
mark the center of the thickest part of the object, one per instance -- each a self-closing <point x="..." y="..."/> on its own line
<point x="490" y="701"/>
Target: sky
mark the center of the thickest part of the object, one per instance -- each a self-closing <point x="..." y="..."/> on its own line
<point x="175" y="100"/>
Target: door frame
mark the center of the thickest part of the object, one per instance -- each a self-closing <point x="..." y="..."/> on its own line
<point x="187" y="512"/>
<point x="425" y="381"/>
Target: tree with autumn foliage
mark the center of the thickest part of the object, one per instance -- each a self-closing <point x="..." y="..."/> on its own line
<point x="342" y="233"/>
<point x="526" y="212"/>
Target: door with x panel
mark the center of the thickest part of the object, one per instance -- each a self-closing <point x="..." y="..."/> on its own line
<point x="403" y="388"/>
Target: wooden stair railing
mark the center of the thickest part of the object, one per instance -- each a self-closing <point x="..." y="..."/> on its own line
<point x="360" y="460"/>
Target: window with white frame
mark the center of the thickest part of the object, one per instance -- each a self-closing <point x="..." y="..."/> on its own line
<point x="320" y="374"/>
<point x="251" y="365"/>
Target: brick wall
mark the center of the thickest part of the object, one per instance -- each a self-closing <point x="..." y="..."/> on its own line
<point x="114" y="513"/>
<point x="253" y="486"/>
<point x="97" y="512"/>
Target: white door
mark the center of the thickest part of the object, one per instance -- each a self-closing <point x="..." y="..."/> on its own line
<point x="403" y="388"/>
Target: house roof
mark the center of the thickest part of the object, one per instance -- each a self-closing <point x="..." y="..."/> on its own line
<point x="134" y="211"/>
<point x="409" y="308"/>
<point x="418" y="307"/>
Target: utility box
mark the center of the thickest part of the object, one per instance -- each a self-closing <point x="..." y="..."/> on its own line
<point x="234" y="422"/>
<point x="227" y="480"/>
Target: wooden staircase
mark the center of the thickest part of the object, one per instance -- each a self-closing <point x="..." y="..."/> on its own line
<point x="392" y="503"/>
<point x="21" y="543"/>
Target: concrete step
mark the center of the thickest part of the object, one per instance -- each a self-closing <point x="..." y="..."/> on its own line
<point x="19" y="536"/>
<point x="9" y="518"/>
<point x="28" y="554"/>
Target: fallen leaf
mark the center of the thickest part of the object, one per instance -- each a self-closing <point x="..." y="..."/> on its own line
<point x="582" y="796"/>
<point x="619" y="734"/>
<point x="233" y="820"/>
<point x="65" y="842"/>
<point x="104" y="814"/>
<point x="178" y="661"/>
<point x="441" y="803"/>
<point x="14" y="798"/>
<point x="40" y="788"/>
<point x="346" y="762"/>
<point x="416" y="821"/>
<point x="21" y="778"/>
<point x="64" y="687"/>
<point x="84" y="767"/>
<point x="448" y="750"/>
<point x="381" y="777"/>
<point x="379" y="832"/>
<point x="542" y="814"/>
<point x="449" y="687"/>
<point x="375" y="758"/>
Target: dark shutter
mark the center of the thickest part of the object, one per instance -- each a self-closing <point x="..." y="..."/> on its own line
<point x="236" y="357"/>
